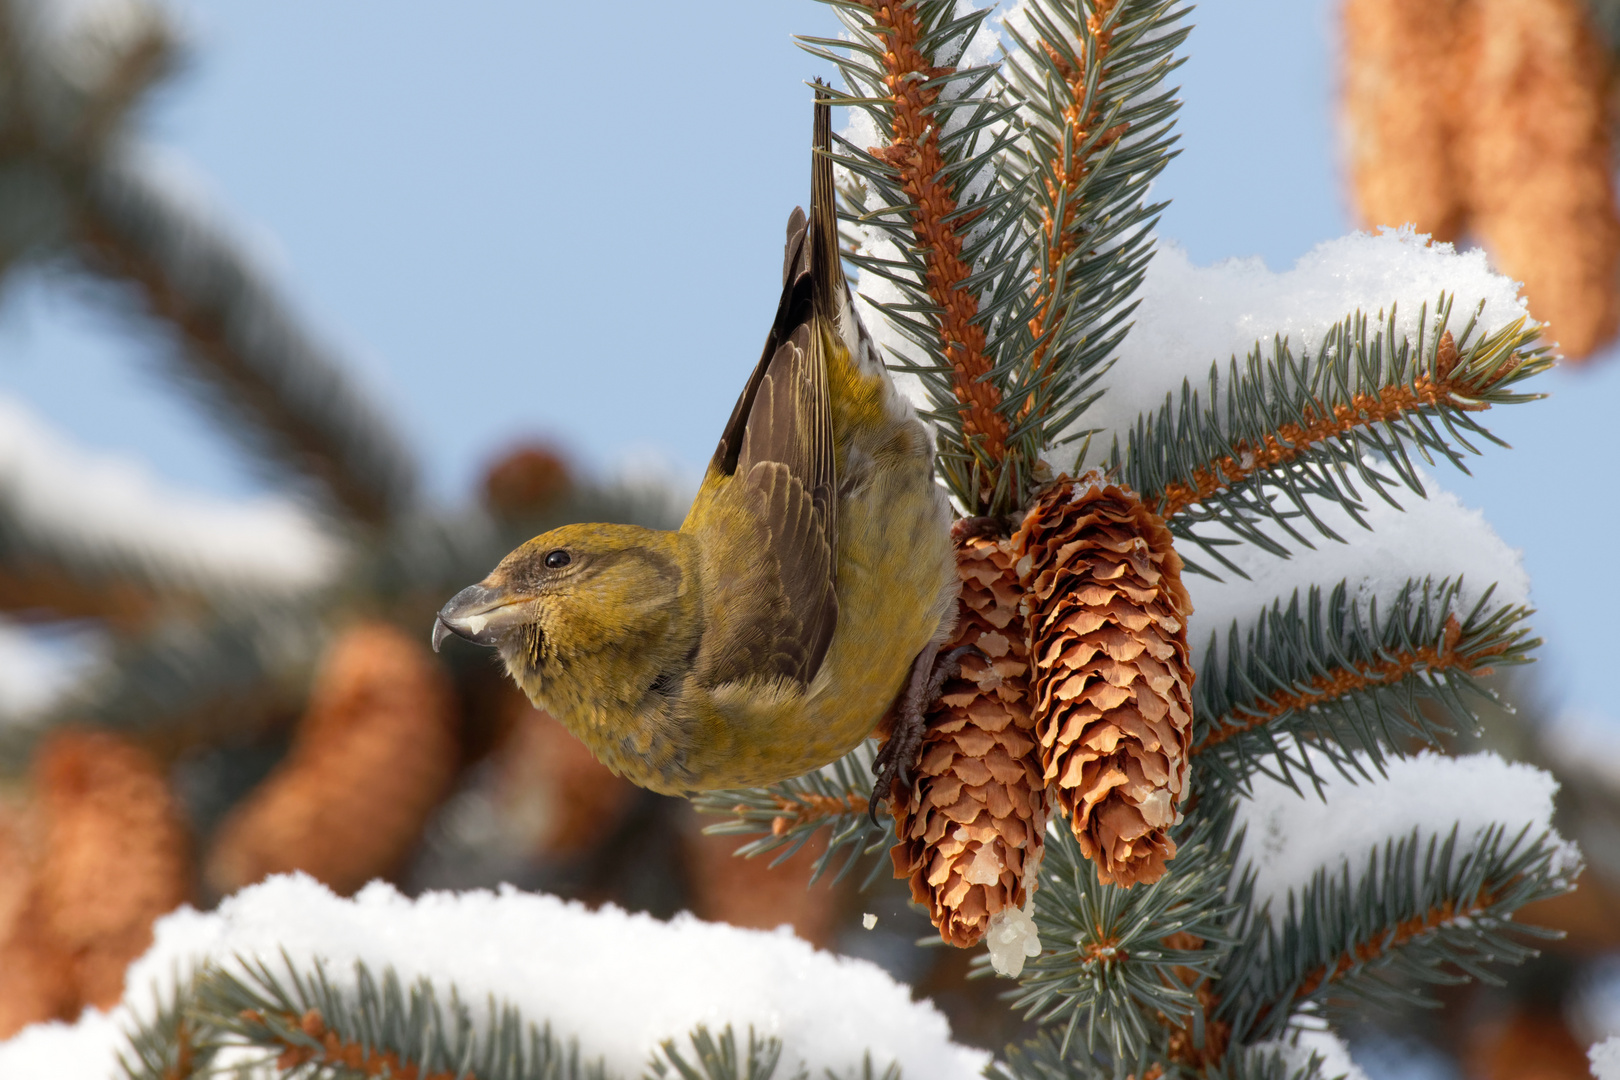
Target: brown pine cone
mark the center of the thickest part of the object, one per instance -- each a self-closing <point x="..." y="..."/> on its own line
<point x="1111" y="689"/>
<point x="373" y="756"/>
<point x="1398" y="92"/>
<point x="752" y="892"/>
<point x="971" y="830"/>
<point x="114" y="855"/>
<point x="1534" y="144"/>
<point x="553" y="795"/>
<point x="527" y="481"/>
<point x="1532" y="1043"/>
<point x="36" y="975"/>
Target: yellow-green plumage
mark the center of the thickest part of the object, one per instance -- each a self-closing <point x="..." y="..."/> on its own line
<point x="772" y="631"/>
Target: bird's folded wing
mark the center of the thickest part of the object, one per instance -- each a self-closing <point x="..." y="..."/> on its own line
<point x="774" y="604"/>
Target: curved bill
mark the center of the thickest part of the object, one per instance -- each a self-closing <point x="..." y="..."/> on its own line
<point x="470" y="615"/>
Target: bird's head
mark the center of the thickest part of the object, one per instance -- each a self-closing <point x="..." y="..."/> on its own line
<point x="574" y="592"/>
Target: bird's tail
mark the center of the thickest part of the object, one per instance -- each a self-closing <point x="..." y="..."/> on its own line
<point x="827" y="270"/>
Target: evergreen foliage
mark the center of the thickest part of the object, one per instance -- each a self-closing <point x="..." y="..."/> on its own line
<point x="1040" y="195"/>
<point x="1001" y="231"/>
<point x="295" y="1020"/>
<point x="1350" y="683"/>
<point x="989" y="186"/>
<point x="1287" y="430"/>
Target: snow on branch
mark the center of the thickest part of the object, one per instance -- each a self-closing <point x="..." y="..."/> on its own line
<point x="1605" y="1058"/>
<point x="620" y="984"/>
<point x="1190" y="316"/>
<point x="1263" y="437"/>
<point x="38" y="668"/>
<point x="66" y="512"/>
<point x="1436" y="537"/>
<point x="1288" y="838"/>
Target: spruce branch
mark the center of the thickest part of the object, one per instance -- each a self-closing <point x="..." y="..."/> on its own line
<point x="163" y="1045"/>
<point x="1097" y="130"/>
<point x="1045" y="1058"/>
<point x="1286" y="429"/>
<point x="718" y="1059"/>
<point x="1048" y="1057"/>
<point x="1347" y="680"/>
<point x="899" y="65"/>
<point x="91" y="588"/>
<point x="1420" y="914"/>
<point x="293" y="1020"/>
<point x="1009" y="206"/>
<point x="305" y="1025"/>
<point x="74" y="182"/>
<point x="201" y="680"/>
<point x="1267" y="1063"/>
<point x="55" y="565"/>
<point x="1126" y="961"/>
<point x="786" y="816"/>
<point x="276" y="389"/>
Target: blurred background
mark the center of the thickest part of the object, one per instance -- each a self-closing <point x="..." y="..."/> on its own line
<point x="310" y="312"/>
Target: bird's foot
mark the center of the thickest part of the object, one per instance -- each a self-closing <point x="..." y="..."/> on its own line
<point x="970" y="528"/>
<point x="898" y="757"/>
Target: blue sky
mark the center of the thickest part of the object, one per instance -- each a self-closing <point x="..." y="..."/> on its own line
<point x="532" y="221"/>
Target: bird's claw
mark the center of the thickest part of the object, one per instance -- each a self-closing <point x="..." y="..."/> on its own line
<point x="895" y="761"/>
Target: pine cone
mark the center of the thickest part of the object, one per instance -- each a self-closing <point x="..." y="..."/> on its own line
<point x="555" y="798"/>
<point x="1111" y="688"/>
<point x="36" y="975"/>
<point x="1398" y="94"/>
<point x="374" y="754"/>
<point x="114" y="855"/>
<point x="526" y="481"/>
<point x="1534" y="144"/>
<point x="752" y="892"/>
<point x="1532" y="1043"/>
<point x="971" y="829"/>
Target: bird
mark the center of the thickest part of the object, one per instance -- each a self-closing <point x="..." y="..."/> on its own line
<point x="802" y="602"/>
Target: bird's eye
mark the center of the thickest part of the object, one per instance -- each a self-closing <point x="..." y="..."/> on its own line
<point x="558" y="558"/>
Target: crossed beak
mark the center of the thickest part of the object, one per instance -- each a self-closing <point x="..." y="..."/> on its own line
<point x="477" y="613"/>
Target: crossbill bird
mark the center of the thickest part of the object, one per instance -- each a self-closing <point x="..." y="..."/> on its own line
<point x="811" y="583"/>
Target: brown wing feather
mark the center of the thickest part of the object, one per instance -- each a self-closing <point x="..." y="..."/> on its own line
<point x="779" y="447"/>
<point x="789" y="313"/>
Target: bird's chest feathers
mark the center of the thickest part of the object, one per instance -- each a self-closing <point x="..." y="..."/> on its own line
<point x="608" y="681"/>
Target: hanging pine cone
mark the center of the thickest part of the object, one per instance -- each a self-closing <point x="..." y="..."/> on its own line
<point x="114" y="855"/>
<point x="1398" y="93"/>
<point x="1535" y="147"/>
<point x="36" y="975"/>
<point x="1111" y="686"/>
<point x="971" y="829"/>
<point x="374" y="754"/>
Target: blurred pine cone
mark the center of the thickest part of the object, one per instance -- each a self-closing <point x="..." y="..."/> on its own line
<point x="1398" y="90"/>
<point x="751" y="892"/>
<point x="1534" y="147"/>
<point x="1531" y="1044"/>
<point x="36" y="974"/>
<point x="374" y="754"/>
<point x="114" y="855"/>
<point x="1111" y="689"/>
<point x="1492" y="117"/>
<point x="555" y="798"/>
<point x="526" y="481"/>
